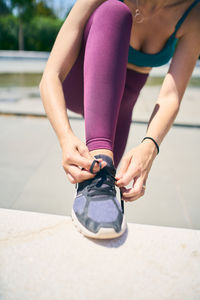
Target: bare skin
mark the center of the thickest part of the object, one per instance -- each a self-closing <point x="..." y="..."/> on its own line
<point x="137" y="163"/>
<point x="156" y="15"/>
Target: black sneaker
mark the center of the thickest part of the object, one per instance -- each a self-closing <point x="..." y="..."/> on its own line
<point x="96" y="211"/>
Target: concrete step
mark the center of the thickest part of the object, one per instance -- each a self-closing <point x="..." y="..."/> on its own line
<point x="43" y="257"/>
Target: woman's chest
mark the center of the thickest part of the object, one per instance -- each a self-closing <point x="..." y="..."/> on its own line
<point x="151" y="35"/>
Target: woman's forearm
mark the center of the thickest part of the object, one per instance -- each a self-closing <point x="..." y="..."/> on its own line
<point x="54" y="105"/>
<point x="57" y="68"/>
<point x="162" y="118"/>
<point x="137" y="162"/>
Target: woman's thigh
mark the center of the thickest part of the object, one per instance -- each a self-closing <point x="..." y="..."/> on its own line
<point x="73" y="86"/>
<point x="91" y="64"/>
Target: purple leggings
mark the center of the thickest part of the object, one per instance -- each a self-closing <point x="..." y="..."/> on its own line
<point x="99" y="85"/>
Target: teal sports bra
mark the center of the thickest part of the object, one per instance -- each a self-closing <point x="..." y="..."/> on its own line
<point x="142" y="59"/>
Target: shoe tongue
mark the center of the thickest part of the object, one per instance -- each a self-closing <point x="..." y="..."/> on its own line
<point x="108" y="159"/>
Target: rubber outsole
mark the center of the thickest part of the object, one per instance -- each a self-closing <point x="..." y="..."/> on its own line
<point x="103" y="233"/>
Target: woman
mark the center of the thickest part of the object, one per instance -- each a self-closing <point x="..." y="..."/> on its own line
<point x="99" y="63"/>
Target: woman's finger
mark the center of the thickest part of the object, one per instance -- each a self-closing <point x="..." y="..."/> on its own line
<point x="136" y="191"/>
<point x="133" y="198"/>
<point x="78" y="174"/>
<point x="71" y="179"/>
<point x="136" y="188"/>
<point x="84" y="152"/>
<point x="123" y="169"/>
<point x="131" y="173"/>
<point x="85" y="163"/>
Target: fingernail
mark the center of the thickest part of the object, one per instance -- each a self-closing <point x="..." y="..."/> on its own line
<point x="118" y="176"/>
<point x="119" y="181"/>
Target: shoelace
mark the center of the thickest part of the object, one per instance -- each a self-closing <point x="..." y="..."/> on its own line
<point x="94" y="183"/>
<point x="122" y="202"/>
<point x="112" y="191"/>
<point x="102" y="184"/>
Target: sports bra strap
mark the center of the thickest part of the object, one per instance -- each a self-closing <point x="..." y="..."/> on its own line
<point x="185" y="15"/>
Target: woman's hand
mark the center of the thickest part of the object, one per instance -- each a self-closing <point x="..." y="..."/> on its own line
<point x="135" y="166"/>
<point x="76" y="160"/>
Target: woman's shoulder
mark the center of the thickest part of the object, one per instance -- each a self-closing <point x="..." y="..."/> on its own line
<point x="192" y="22"/>
<point x="195" y="14"/>
<point x="189" y="40"/>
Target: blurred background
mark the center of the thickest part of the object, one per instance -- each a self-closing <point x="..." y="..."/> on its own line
<point x="31" y="24"/>
<point x="31" y="173"/>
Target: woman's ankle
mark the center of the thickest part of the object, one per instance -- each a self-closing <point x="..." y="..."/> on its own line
<point x="102" y="151"/>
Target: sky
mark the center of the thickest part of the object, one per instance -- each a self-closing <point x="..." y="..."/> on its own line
<point x="61" y="6"/>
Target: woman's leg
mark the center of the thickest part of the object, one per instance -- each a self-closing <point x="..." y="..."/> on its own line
<point x="104" y="57"/>
<point x="73" y="87"/>
<point x="134" y="83"/>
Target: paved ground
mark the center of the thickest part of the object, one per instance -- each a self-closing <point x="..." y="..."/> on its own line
<point x="32" y="177"/>
<point x="18" y="100"/>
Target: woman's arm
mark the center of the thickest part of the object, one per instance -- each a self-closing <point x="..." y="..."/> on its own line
<point x="137" y="163"/>
<point x="62" y="57"/>
<point x="174" y="85"/>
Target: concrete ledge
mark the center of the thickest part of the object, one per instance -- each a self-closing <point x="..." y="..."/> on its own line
<point x="12" y="54"/>
<point x="35" y="61"/>
<point x="43" y="257"/>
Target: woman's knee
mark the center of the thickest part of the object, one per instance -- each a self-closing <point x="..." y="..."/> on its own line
<point x="112" y="12"/>
<point x="114" y="9"/>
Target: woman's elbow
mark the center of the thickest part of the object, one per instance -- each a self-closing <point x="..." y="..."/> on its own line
<point x="46" y="80"/>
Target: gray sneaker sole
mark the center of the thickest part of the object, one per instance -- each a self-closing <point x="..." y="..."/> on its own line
<point x="103" y="233"/>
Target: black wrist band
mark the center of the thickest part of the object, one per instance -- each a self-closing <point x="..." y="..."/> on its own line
<point x="150" y="138"/>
